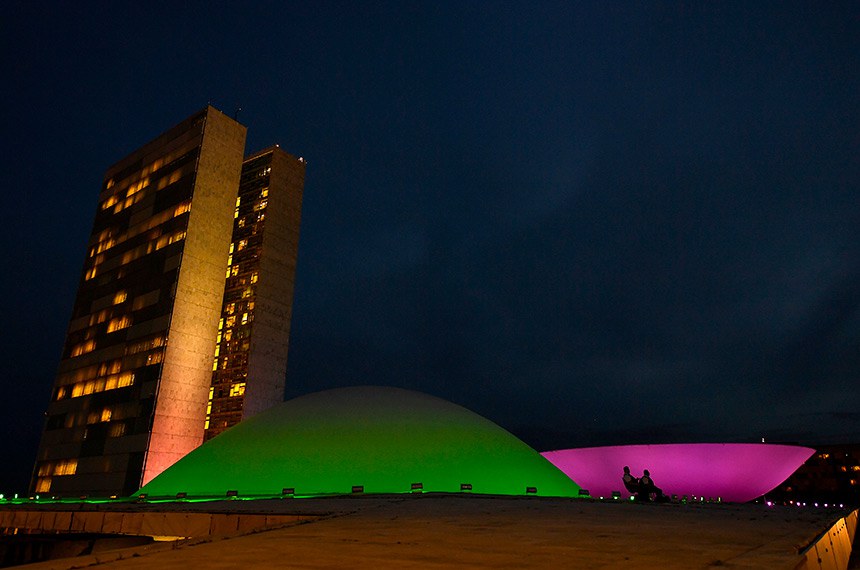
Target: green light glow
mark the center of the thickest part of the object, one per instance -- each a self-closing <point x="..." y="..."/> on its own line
<point x="384" y="439"/>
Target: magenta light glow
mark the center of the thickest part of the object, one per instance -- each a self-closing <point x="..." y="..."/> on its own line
<point x="735" y="472"/>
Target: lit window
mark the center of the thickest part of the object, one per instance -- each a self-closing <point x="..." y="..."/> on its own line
<point x="264" y="193"/>
<point x="119" y="323"/>
<point x="109" y="202"/>
<point x="120" y="297"/>
<point x="182" y="208"/>
<point x="125" y="379"/>
<point x="91" y="272"/>
<point x="116" y="429"/>
<point x="106" y="414"/>
<point x="67" y="467"/>
<point x="254" y="277"/>
<point x="237" y="389"/>
<point x="105" y="244"/>
<point x="83" y="348"/>
<point x="155" y="358"/>
<point x="43" y="485"/>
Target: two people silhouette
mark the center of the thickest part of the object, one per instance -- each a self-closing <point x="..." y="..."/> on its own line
<point x="642" y="487"/>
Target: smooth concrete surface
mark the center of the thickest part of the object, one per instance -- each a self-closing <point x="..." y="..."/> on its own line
<point x="430" y="531"/>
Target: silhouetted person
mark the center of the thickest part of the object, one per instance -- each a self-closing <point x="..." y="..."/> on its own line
<point x="631" y="483"/>
<point x="646" y="487"/>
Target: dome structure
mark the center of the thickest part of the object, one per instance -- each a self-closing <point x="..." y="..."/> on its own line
<point x="735" y="472"/>
<point x="368" y="439"/>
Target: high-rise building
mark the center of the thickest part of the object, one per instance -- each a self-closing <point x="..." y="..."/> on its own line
<point x="254" y="330"/>
<point x="133" y="384"/>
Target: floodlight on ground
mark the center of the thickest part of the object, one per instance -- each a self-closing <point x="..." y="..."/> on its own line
<point x="417" y="487"/>
<point x="531" y="490"/>
<point x="288" y="491"/>
<point x="584" y="493"/>
<point x="358" y="488"/>
<point x="232" y="493"/>
<point x="616" y="495"/>
<point x="181" y="495"/>
<point x="465" y="486"/>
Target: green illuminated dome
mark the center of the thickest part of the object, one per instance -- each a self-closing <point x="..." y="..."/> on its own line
<point x="383" y="439"/>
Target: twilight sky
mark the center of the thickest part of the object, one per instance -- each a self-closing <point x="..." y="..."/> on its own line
<point x="610" y="223"/>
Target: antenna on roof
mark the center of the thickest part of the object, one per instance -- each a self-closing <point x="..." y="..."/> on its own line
<point x="236" y="114"/>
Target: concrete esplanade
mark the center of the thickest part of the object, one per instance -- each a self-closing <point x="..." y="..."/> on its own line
<point x="443" y="530"/>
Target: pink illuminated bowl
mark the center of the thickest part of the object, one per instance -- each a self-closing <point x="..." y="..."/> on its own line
<point x="734" y="472"/>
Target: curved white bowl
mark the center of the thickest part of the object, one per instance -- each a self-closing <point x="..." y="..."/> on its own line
<point x="735" y="472"/>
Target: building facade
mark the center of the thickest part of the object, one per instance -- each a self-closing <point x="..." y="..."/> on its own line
<point x="132" y="388"/>
<point x="254" y="329"/>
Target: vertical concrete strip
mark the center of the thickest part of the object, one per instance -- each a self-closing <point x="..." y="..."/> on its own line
<point x="184" y="386"/>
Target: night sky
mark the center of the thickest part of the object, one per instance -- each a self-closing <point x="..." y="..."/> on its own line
<point x="610" y="223"/>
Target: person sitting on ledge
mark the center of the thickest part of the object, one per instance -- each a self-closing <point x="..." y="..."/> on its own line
<point x="647" y="488"/>
<point x="631" y="483"/>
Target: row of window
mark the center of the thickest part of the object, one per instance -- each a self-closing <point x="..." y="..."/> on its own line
<point x="142" y="175"/>
<point x="108" y="241"/>
<point x="95" y="385"/>
<point x="63" y="467"/>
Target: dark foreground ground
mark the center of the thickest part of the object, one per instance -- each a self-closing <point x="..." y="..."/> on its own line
<point x="427" y="531"/>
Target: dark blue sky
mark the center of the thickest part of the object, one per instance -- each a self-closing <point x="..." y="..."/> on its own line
<point x="616" y="222"/>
